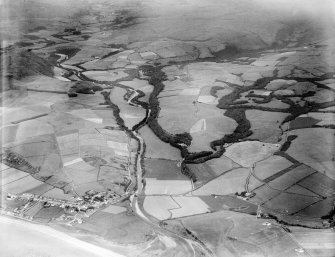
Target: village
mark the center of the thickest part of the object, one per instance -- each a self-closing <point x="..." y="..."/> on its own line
<point x="75" y="209"/>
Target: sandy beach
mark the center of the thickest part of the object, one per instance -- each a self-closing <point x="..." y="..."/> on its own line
<point x="19" y="238"/>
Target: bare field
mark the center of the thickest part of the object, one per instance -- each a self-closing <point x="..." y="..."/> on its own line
<point x="319" y="184"/>
<point x="291" y="203"/>
<point x="108" y="75"/>
<point x="318" y="209"/>
<point x="58" y="194"/>
<point x="228" y="202"/>
<point x="203" y="173"/>
<point x="45" y="83"/>
<point x="271" y="166"/>
<point x="119" y="228"/>
<point x="326" y="168"/>
<point x="157" y="149"/>
<point x="188" y="206"/>
<point x="265" y="125"/>
<point x="163" y="170"/>
<point x="316" y="242"/>
<point x="312" y="145"/>
<point x="22" y="185"/>
<point x="166" y="187"/>
<point x="221" y="165"/>
<point x="248" y="152"/>
<point x="49" y="213"/>
<point x="161" y="211"/>
<point x="10" y="175"/>
<point x="230" y="233"/>
<point x="229" y="183"/>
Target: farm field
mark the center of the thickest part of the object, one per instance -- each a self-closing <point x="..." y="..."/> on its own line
<point x="230" y="182"/>
<point x="111" y="75"/>
<point x="312" y="144"/>
<point x="173" y="129"/>
<point x="67" y="152"/>
<point x="221" y="165"/>
<point x="162" y="169"/>
<point x="248" y="152"/>
<point x="229" y="233"/>
<point x="265" y="125"/>
<point x="174" y="206"/>
<point x="271" y="166"/>
<point x="228" y="202"/>
<point x="167" y="187"/>
<point x="292" y="191"/>
<point x="326" y="167"/>
<point x="203" y="173"/>
<point x="162" y="211"/>
<point x="188" y="206"/>
<point x="179" y="97"/>
<point x="157" y="149"/>
<point x="316" y="243"/>
<point x="119" y="228"/>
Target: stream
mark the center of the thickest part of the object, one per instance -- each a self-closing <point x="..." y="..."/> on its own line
<point x="163" y="234"/>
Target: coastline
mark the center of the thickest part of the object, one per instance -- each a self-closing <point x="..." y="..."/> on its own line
<point x="13" y="229"/>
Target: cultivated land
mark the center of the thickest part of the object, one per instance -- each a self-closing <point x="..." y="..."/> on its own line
<point x="171" y="129"/>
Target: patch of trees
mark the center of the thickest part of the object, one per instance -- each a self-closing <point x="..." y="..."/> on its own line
<point x="228" y="100"/>
<point x="73" y="31"/>
<point x="69" y="51"/>
<point x="297" y="110"/>
<point x="288" y="142"/>
<point x="261" y="83"/>
<point x="15" y="160"/>
<point x="239" y="102"/>
<point x="264" y="98"/>
<point x="116" y="113"/>
<point x="139" y="125"/>
<point x="301" y="222"/>
<point x="24" y="44"/>
<point x="230" y="51"/>
<point x="38" y="28"/>
<point x="124" y="18"/>
<point x="188" y="173"/>
<point x="83" y="87"/>
<point x="215" y="89"/>
<point x="204" y="156"/>
<point x="328" y="126"/>
<point x="242" y="130"/>
<point x="330" y="216"/>
<point x="201" y="154"/>
<point x="156" y="77"/>
<point x="286" y="156"/>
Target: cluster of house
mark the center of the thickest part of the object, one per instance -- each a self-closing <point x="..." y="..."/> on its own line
<point x="75" y="209"/>
<point x="15" y="213"/>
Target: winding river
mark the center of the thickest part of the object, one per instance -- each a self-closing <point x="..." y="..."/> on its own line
<point x="163" y="235"/>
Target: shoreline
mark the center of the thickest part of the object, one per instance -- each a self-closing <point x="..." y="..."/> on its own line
<point x="54" y="235"/>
